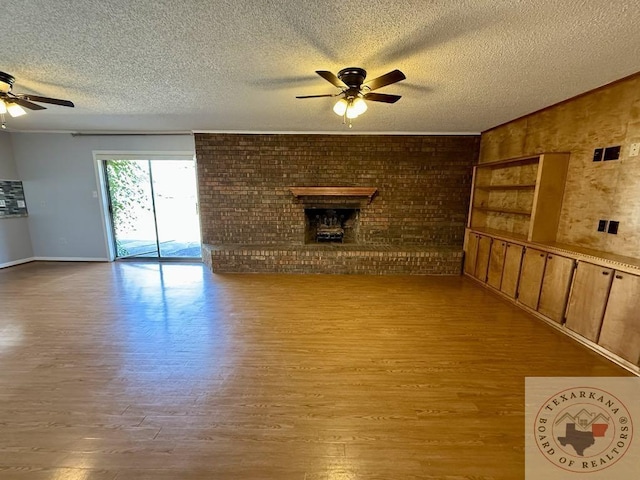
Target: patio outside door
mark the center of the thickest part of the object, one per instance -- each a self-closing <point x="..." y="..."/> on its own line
<point x="153" y="207"/>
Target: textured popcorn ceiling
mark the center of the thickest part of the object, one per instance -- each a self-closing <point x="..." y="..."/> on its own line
<point x="234" y="65"/>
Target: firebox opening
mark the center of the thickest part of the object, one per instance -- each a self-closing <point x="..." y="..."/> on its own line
<point x="334" y="225"/>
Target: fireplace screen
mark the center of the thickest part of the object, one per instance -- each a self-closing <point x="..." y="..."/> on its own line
<point x="339" y="225"/>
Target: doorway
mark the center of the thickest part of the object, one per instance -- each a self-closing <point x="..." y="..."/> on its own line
<point x="153" y="208"/>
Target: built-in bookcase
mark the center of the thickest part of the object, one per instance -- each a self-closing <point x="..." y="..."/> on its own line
<point x="520" y="198"/>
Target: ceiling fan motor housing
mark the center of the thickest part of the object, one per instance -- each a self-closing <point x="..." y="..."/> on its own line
<point x="352" y="76"/>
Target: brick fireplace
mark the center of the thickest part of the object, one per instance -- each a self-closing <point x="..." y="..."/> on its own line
<point x="376" y="204"/>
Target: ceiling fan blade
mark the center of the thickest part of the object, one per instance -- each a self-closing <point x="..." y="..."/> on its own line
<point x="331" y="78"/>
<point x="53" y="101"/>
<point x="316" y="96"/>
<point x="386" y="79"/>
<point x="24" y="103"/>
<point x="382" y="97"/>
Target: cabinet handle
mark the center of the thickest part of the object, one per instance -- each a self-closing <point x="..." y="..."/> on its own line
<point x="606" y="273"/>
<point x="619" y="277"/>
<point x="542" y="254"/>
<point x="549" y="257"/>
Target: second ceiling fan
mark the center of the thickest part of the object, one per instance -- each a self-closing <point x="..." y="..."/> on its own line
<point x="12" y="103"/>
<point x="354" y="91"/>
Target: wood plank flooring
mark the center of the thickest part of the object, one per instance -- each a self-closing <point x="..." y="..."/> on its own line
<point x="146" y="371"/>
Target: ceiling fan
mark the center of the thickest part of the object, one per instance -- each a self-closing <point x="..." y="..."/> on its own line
<point x="354" y="91"/>
<point x="12" y="103"/>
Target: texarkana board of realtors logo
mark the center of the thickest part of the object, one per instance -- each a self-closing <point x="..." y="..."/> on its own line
<point x="582" y="427"/>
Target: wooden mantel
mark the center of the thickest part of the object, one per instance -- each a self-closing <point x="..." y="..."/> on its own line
<point x="368" y="192"/>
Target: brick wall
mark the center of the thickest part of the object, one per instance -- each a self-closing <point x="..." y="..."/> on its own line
<point x="423" y="186"/>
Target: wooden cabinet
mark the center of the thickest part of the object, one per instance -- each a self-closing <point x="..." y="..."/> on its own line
<point x="545" y="280"/>
<point x="561" y="285"/>
<point x="620" y="332"/>
<point x="482" y="262"/>
<point x="558" y="273"/>
<point x="511" y="270"/>
<point x="496" y="263"/>
<point x="520" y="197"/>
<point x="530" y="283"/>
<point x="477" y="255"/>
<point x="471" y="253"/>
<point x="504" y="266"/>
<point x="588" y="299"/>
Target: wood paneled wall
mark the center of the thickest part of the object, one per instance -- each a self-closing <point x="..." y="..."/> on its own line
<point x="610" y="190"/>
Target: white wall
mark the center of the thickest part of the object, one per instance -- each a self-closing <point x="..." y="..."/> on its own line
<point x="59" y="179"/>
<point x="15" y="241"/>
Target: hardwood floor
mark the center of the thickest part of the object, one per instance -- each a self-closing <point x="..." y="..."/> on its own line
<point x="146" y="371"/>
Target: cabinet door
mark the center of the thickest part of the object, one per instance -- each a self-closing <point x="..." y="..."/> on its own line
<point x="555" y="287"/>
<point x="471" y="254"/>
<point x="588" y="299"/>
<point x="511" y="270"/>
<point x="531" y="277"/>
<point x="620" y="332"/>
<point x="482" y="262"/>
<point x="496" y="263"/>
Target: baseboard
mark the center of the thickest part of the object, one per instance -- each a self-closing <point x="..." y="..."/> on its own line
<point x="17" y="262"/>
<point x="70" y="259"/>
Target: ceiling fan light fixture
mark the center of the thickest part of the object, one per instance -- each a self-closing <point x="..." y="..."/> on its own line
<point x="359" y="105"/>
<point x="340" y="107"/>
<point x="15" y="110"/>
<point x="356" y="108"/>
<point x="3" y="107"/>
<point x="352" y="113"/>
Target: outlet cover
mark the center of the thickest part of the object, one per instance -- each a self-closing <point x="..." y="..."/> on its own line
<point x="611" y="153"/>
<point x="634" y="149"/>
<point x="613" y="227"/>
<point x="602" y="225"/>
<point x="597" y="154"/>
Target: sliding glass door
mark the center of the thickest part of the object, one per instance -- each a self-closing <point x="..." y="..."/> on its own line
<point x="176" y="207"/>
<point x="153" y="208"/>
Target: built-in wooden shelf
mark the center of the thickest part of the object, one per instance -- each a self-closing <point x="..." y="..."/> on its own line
<point x="368" y="192"/>
<point x="520" y="195"/>
<point x="511" y="162"/>
<point x="511" y="211"/>
<point x="518" y="186"/>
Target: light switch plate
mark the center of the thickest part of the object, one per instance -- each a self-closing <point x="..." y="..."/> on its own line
<point x="602" y="225"/>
